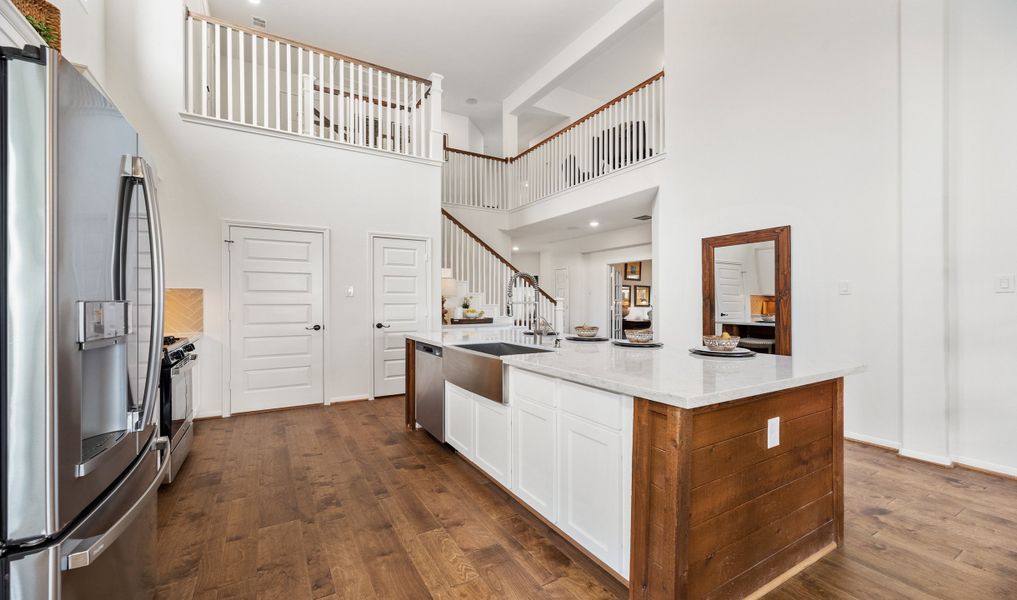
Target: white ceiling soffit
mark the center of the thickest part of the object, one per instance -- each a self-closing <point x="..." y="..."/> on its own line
<point x="485" y="50"/>
<point x="619" y="213"/>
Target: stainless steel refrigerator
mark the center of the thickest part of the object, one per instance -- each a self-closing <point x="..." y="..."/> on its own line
<point x="80" y="335"/>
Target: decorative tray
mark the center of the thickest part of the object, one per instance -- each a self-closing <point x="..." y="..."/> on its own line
<point x="628" y="344"/>
<point x="579" y="338"/>
<point x="480" y="321"/>
<point x="736" y="353"/>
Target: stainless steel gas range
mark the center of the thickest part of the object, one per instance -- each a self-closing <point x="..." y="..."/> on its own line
<point x="177" y="399"/>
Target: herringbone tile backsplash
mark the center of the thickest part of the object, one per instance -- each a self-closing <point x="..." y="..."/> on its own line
<point x="185" y="311"/>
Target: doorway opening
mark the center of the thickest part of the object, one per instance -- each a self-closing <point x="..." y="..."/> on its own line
<point x="631" y="293"/>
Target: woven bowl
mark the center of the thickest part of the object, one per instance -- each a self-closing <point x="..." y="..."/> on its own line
<point x="639" y="336"/>
<point x="720" y="344"/>
<point x="587" y="330"/>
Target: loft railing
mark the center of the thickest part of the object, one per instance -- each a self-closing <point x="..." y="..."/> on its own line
<point x="487" y="272"/>
<point x="625" y="131"/>
<point x="252" y="78"/>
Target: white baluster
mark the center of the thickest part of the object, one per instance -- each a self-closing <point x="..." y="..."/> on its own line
<point x="342" y="101"/>
<point x="191" y="54"/>
<point x="204" y="69"/>
<point x="243" y="79"/>
<point x="278" y="88"/>
<point x="218" y="76"/>
<point x="321" y="95"/>
<point x="289" y="90"/>
<point x="264" y="81"/>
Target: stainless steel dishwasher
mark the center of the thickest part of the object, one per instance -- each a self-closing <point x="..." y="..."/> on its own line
<point x="429" y="390"/>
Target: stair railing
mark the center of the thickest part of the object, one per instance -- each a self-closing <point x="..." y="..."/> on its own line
<point x="249" y="77"/>
<point x="622" y="132"/>
<point x="487" y="272"/>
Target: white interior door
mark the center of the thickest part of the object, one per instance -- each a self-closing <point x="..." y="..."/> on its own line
<point x="401" y="304"/>
<point x="730" y="291"/>
<point x="276" y="325"/>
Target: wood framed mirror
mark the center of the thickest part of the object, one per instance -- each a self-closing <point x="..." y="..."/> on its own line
<point x="747" y="288"/>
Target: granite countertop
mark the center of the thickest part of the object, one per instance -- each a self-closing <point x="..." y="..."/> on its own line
<point x="670" y="375"/>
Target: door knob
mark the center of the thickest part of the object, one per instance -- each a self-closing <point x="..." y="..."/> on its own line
<point x="380" y="326"/>
<point x="313" y="327"/>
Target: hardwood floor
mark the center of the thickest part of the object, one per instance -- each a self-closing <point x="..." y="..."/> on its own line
<point x="342" y="502"/>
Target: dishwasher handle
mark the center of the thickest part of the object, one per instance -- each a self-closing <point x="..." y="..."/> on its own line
<point x="428" y="349"/>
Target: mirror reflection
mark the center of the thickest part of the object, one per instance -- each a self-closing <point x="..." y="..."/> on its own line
<point x="745" y="302"/>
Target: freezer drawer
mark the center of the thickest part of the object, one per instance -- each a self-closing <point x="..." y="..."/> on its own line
<point x="109" y="554"/>
<point x="429" y="390"/>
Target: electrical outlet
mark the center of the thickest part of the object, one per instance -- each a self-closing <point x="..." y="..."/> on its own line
<point x="773" y="432"/>
<point x="1005" y="284"/>
<point x="349" y="292"/>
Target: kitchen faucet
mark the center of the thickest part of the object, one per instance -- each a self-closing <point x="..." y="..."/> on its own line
<point x="512" y="281"/>
<point x="541" y="325"/>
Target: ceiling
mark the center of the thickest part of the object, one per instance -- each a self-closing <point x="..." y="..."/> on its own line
<point x="616" y="214"/>
<point x="485" y="50"/>
<point x="633" y="58"/>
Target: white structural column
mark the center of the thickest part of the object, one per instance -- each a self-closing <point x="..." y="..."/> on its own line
<point x="509" y="134"/>
<point x="925" y="406"/>
<point x="434" y="118"/>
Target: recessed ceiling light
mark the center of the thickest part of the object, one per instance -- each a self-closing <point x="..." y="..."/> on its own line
<point x="471" y="100"/>
<point x="515" y="248"/>
<point x="254" y="1"/>
<point x="594" y="223"/>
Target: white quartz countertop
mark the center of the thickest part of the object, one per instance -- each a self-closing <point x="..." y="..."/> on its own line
<point x="670" y="375"/>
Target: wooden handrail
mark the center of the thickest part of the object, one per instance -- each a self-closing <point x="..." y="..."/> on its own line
<point x="501" y="258"/>
<point x="575" y="123"/>
<point x="476" y="154"/>
<point x="279" y="38"/>
<point x="588" y="116"/>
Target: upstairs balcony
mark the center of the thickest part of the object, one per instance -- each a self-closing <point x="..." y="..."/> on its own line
<point x="622" y="133"/>
<point x="244" y="77"/>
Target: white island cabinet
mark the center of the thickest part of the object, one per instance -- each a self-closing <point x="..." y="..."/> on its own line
<point x="572" y="460"/>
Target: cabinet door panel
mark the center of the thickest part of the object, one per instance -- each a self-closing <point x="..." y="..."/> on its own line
<point x="493" y="439"/>
<point x="532" y="387"/>
<point x="535" y="466"/>
<point x="459" y="420"/>
<point x="591" y="491"/>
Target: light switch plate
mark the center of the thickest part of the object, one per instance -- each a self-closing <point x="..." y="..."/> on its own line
<point x="349" y="292"/>
<point x="1006" y="284"/>
<point x="844" y="288"/>
<point x="772" y="432"/>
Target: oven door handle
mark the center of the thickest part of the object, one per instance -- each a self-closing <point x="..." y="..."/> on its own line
<point x="183" y="366"/>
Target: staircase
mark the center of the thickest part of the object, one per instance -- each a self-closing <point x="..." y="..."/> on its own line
<point x="487" y="273"/>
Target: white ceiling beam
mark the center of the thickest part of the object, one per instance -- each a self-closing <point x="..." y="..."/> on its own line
<point x="626" y="15"/>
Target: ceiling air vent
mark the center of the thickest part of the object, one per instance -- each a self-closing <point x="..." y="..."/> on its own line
<point x="259" y="22"/>
<point x="643" y="218"/>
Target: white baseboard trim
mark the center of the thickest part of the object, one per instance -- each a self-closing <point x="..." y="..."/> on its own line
<point x="875" y="441"/>
<point x="352" y="398"/>
<point x="982" y="465"/>
<point x="935" y="459"/>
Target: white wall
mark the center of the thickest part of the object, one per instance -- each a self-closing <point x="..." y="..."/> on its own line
<point x="463" y="134"/>
<point x="982" y="210"/>
<point x="785" y="113"/>
<point x="208" y="174"/>
<point x="488" y="225"/>
<point x="83" y="34"/>
<point x="587" y="259"/>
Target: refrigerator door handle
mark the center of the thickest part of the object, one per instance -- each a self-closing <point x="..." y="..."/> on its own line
<point x="86" y="556"/>
<point x="143" y="172"/>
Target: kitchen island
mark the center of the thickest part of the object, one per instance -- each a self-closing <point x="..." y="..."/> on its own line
<point x="686" y="476"/>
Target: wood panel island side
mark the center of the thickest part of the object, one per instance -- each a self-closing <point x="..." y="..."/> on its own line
<point x="733" y="474"/>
